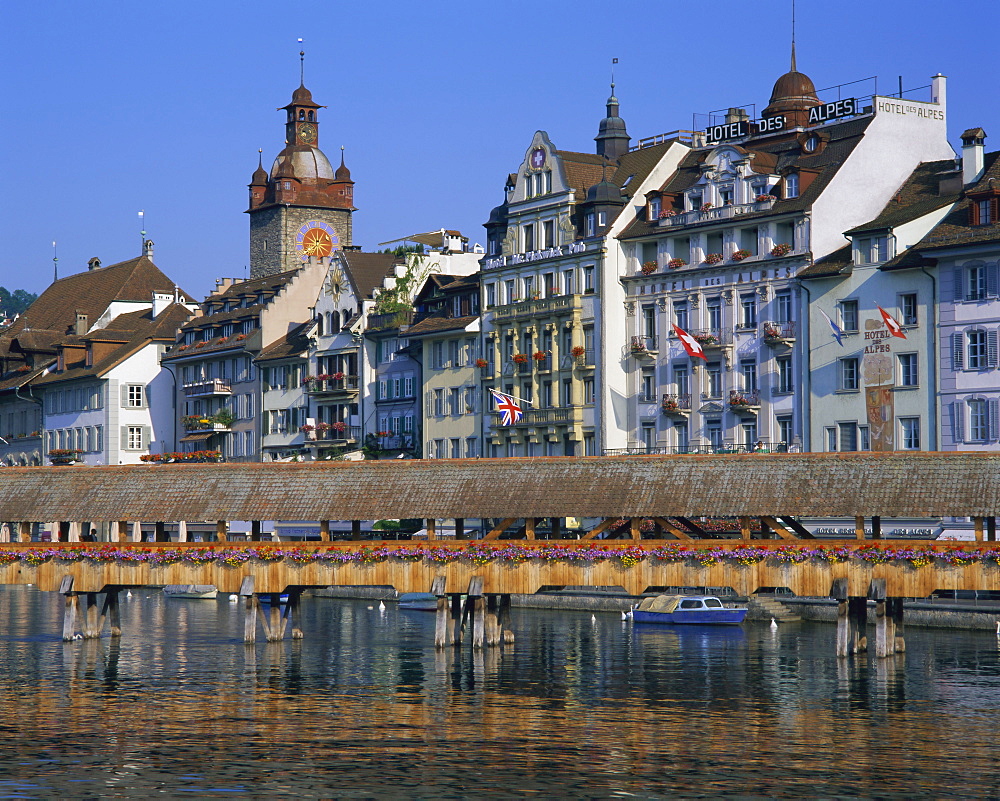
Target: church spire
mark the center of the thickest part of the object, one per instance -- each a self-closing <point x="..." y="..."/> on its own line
<point x="612" y="139"/>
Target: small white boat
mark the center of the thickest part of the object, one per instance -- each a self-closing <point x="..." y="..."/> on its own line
<point x="199" y="592"/>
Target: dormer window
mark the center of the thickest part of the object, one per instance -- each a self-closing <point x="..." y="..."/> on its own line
<point x="871" y="250"/>
<point x="695" y="202"/>
<point x="726" y="195"/>
<point x="792" y="185"/>
<point x="90" y="354"/>
<point x="654" y="209"/>
<point x="984" y="212"/>
<point x="590" y="224"/>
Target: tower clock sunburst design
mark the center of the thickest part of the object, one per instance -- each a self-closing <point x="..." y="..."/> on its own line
<point x="316" y="239"/>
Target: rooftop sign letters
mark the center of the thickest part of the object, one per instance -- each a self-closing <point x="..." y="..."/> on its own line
<point x="744" y="128"/>
<point x="534" y="255"/>
<point x="832" y="111"/>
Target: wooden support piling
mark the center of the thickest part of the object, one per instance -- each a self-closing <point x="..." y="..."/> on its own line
<point x="506" y="632"/>
<point x="897" y="622"/>
<point x="859" y="527"/>
<point x="112" y="611"/>
<point x="276" y="631"/>
<point x="295" y="612"/>
<point x="859" y="619"/>
<point x="324" y="530"/>
<point x="844" y="640"/>
<point x="744" y="527"/>
<point x="431" y="527"/>
<point x="455" y="627"/>
<point x="478" y="621"/>
<point x="885" y="637"/>
<point x="441" y="616"/>
<point x="220" y="531"/>
<point x="249" y="610"/>
<point x="90" y="630"/>
<point x="492" y="622"/>
<point x="977" y="522"/>
<point x="69" y="616"/>
<point x="24" y="531"/>
<point x="355" y="529"/>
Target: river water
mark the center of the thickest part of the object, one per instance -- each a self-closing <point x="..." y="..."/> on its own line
<point x="578" y="706"/>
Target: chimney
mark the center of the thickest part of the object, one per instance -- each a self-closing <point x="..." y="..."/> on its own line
<point x="939" y="89"/>
<point x="147" y="249"/>
<point x="160" y="301"/>
<point x="81" y="326"/>
<point x="94" y="264"/>
<point x="736" y="115"/>
<point x="972" y="155"/>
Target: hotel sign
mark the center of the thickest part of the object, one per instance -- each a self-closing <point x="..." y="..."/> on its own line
<point x="747" y="128"/>
<point x="832" y="111"/>
<point x="534" y="255"/>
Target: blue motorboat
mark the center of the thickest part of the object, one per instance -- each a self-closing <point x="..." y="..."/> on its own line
<point x="700" y="610"/>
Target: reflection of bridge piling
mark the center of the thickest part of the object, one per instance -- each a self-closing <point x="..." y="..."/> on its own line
<point x="852" y="620"/>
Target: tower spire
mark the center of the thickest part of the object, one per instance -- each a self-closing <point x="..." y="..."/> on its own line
<point x="302" y="65"/>
<point x="55" y="262"/>
<point x="793" y="38"/>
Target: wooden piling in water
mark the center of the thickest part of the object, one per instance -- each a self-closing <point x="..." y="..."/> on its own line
<point x="885" y="636"/>
<point x="276" y="631"/>
<point x="249" y="611"/>
<point x="112" y="611"/>
<point x="441" y="615"/>
<point x="294" y="612"/>
<point x="897" y="621"/>
<point x="506" y="632"/>
<point x="859" y="628"/>
<point x="455" y="625"/>
<point x="492" y="621"/>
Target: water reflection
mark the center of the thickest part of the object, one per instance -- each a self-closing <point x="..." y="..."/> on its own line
<point x="365" y="706"/>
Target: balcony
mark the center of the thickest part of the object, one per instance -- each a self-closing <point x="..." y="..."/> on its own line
<point x="544" y="364"/>
<point x="676" y="405"/>
<point x="396" y="442"/>
<point x="336" y="384"/>
<point x="570" y="415"/>
<point x="778" y="334"/>
<point x="528" y="309"/>
<point x="336" y="434"/>
<point x="644" y="347"/>
<point x="516" y="367"/>
<point x="727" y="448"/>
<point x="712" y="339"/>
<point x="207" y="389"/>
<point x="711" y="215"/>
<point x="744" y="401"/>
<point x="391" y="320"/>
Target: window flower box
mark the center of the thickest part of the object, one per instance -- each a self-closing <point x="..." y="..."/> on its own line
<point x="339" y="426"/>
<point x="667" y="213"/>
<point x="764" y="199"/>
<point x="713" y="258"/>
<point x="538" y="356"/>
<point x="706" y="339"/>
<point x="706" y="207"/>
<point x="782" y="249"/>
<point x="741" y="254"/>
<point x="520" y="358"/>
<point x="578" y="351"/>
<point x="676" y="264"/>
<point x="481" y="364"/>
<point x="648" y="267"/>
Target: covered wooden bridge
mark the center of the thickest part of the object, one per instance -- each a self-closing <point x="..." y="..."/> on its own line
<point x="646" y="533"/>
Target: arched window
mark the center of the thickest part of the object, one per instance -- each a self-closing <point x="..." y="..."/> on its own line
<point x="346" y="316"/>
<point x="302" y="114"/>
<point x="310" y="116"/>
<point x="332" y="322"/>
<point x="319" y="325"/>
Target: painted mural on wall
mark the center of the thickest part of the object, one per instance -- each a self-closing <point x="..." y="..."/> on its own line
<point x="879" y="375"/>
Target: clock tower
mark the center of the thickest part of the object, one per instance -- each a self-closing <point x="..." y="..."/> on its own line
<point x="302" y="208"/>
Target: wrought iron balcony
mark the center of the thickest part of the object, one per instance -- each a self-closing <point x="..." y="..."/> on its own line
<point x="741" y="399"/>
<point x="710" y="215"/>
<point x="209" y="388"/>
<point x="676" y="405"/>
<point x="527" y="309"/>
<point x="643" y="346"/>
<point x="390" y="320"/>
<point x="778" y="333"/>
<point x="335" y="434"/>
<point x="332" y="385"/>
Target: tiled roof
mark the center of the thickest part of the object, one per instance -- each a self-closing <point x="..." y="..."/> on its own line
<point x="583" y="170"/>
<point x="439" y="323"/>
<point x="900" y="484"/>
<point x="839" y="262"/>
<point x="294" y="343"/>
<point x="916" y="197"/>
<point x="366" y="270"/>
<point x="132" y="331"/>
<point x="955" y="230"/>
<point x="772" y="156"/>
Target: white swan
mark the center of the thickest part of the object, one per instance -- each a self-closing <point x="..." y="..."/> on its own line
<point x="381" y="606"/>
<point x="233" y="598"/>
<point x="774" y="623"/>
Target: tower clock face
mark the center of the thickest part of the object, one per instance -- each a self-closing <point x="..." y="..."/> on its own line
<point x="307" y="133"/>
<point x="316" y="239"/>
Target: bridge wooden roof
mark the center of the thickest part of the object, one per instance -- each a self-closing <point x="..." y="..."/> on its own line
<point x="891" y="485"/>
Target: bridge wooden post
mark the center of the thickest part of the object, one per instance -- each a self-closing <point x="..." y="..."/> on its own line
<point x="255" y="531"/>
<point x="475" y="609"/>
<point x="161" y="533"/>
<point x="885" y="636"/>
<point x="71" y="605"/>
<point x="220" y="531"/>
<point x="441" y="617"/>
<point x="111" y="610"/>
<point x="457" y="622"/>
<point x="897" y="621"/>
<point x="276" y="631"/>
<point x="492" y="623"/>
<point x="529" y="527"/>
<point x="506" y="632"/>
<point x="250" y="610"/>
<point x="24" y="531"/>
<point x="991" y="529"/>
<point x="744" y="528"/>
<point x="634" y="531"/>
<point x="859" y="616"/>
<point x="977" y="523"/>
<point x="431" y="529"/>
<point x="324" y="530"/>
<point x="121" y="531"/>
<point x="459" y="528"/>
<point x="859" y="527"/>
<point x="293" y="611"/>
<point x="839" y="592"/>
<point x="355" y="529"/>
<point x="556" y="527"/>
<point x="876" y="527"/>
<point x="90" y="630"/>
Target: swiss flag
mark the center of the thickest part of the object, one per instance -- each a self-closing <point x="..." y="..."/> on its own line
<point x="691" y="345"/>
<point x="894" y="328"/>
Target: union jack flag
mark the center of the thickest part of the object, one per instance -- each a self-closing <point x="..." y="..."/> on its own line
<point x="510" y="412"/>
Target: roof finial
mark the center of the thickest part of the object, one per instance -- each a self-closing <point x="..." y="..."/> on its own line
<point x="142" y="232"/>
<point x="341" y="155"/>
<point x="794" y="69"/>
<point x="613" y="62"/>
<point x="260" y="158"/>
<point x="302" y="65"/>
<point x="55" y="262"/>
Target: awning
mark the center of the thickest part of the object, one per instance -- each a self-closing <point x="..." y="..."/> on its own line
<point x="201" y="436"/>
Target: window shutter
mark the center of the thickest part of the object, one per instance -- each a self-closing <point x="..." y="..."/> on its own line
<point x="123" y="441"/>
<point x="958" y="351"/>
<point x="991" y="348"/>
<point x="147" y="437"/>
<point x="958" y="277"/>
<point x="994" y="411"/>
<point x="958" y="421"/>
<point x="123" y="389"/>
<point x="144" y="404"/>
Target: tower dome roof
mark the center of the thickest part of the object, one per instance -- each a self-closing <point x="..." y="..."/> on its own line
<point x="302" y="162"/>
<point x="342" y="174"/>
<point x="793" y="95"/>
<point x="303" y="97"/>
<point x="605" y="192"/>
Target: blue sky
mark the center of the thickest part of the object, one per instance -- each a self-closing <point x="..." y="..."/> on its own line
<point x="112" y="107"/>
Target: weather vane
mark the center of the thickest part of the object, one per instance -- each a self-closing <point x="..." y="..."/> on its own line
<point x="55" y="262"/>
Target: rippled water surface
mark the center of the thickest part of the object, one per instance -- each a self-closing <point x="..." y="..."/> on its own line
<point x="365" y="707"/>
